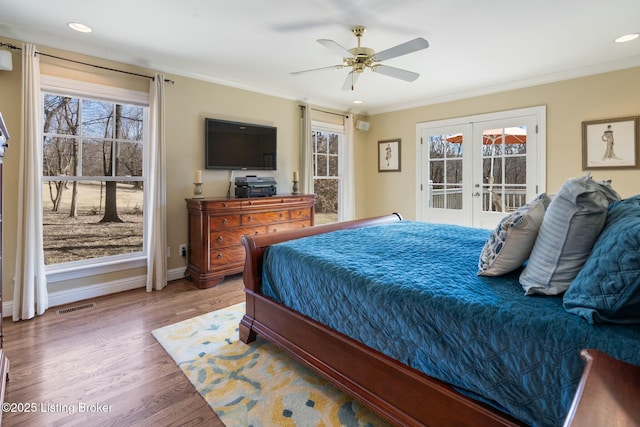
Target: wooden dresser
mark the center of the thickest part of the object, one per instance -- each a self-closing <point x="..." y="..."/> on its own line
<point x="216" y="226"/>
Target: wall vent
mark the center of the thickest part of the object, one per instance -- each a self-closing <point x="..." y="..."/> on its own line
<point x="76" y="308"/>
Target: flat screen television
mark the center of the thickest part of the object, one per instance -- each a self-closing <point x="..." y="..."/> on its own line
<point x="234" y="145"/>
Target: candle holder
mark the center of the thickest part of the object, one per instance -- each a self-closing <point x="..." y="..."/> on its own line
<point x="294" y="189"/>
<point x="197" y="190"/>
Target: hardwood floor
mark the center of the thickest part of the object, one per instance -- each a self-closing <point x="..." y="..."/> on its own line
<point x="106" y="356"/>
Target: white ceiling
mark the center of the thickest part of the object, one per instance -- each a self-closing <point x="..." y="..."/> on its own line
<point x="476" y="46"/>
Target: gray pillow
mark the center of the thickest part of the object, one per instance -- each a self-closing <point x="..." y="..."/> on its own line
<point x="510" y="243"/>
<point x="570" y="227"/>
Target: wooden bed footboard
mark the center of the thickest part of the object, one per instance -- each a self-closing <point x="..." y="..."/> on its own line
<point x="395" y="391"/>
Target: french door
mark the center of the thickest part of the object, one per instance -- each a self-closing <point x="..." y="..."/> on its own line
<point x="474" y="170"/>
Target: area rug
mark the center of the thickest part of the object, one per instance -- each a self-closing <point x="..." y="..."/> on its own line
<point x="256" y="384"/>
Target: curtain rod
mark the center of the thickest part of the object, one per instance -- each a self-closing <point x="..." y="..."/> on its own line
<point x="323" y="111"/>
<point x="10" y="46"/>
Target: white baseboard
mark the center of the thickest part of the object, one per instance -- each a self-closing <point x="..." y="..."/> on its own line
<point x="97" y="290"/>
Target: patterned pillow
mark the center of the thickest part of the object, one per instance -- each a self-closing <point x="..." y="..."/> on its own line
<point x="509" y="245"/>
<point x="569" y="229"/>
<point x="607" y="289"/>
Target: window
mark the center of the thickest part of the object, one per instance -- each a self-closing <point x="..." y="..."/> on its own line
<point x="93" y="176"/>
<point x="327" y="171"/>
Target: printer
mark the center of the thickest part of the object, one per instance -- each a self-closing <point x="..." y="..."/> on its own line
<point x="255" y="186"/>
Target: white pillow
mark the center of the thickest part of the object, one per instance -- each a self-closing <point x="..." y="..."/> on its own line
<point x="510" y="244"/>
<point x="570" y="227"/>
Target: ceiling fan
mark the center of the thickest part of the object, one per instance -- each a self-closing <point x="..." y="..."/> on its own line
<point x="360" y="58"/>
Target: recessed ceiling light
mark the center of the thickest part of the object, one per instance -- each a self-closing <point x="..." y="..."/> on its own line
<point x="627" y="37"/>
<point x="357" y="101"/>
<point x="79" y="27"/>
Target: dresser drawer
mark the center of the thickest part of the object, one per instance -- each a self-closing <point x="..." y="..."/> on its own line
<point x="224" y="221"/>
<point x="299" y="214"/>
<point x="222" y="257"/>
<point x="223" y="238"/>
<point x="221" y="206"/>
<point x="287" y="226"/>
<point x="259" y="218"/>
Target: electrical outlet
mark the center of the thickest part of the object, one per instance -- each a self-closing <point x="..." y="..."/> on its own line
<point x="183" y="250"/>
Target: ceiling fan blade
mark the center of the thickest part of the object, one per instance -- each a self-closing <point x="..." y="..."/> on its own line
<point x="350" y="81"/>
<point x="330" y="44"/>
<point x="397" y="73"/>
<point x="331" y="67"/>
<point x="402" y="49"/>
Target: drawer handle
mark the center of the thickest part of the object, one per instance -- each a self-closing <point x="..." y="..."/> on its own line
<point x="220" y="256"/>
<point x="257" y="232"/>
<point x="225" y="221"/>
<point x="250" y="218"/>
<point x="220" y="239"/>
<point x="281" y="214"/>
<point x="224" y="205"/>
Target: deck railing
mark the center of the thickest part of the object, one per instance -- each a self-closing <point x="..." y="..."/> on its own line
<point x="499" y="199"/>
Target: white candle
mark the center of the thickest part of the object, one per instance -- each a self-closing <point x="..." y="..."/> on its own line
<point x="197" y="176"/>
<point x="295" y="175"/>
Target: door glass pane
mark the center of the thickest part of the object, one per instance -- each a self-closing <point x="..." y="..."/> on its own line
<point x="453" y="197"/>
<point x="454" y="171"/>
<point x="454" y="148"/>
<point x="504" y="171"/>
<point x="445" y="171"/>
<point x="515" y="170"/>
<point x="436" y="146"/>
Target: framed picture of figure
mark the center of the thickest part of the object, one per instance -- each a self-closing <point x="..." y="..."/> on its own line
<point x="610" y="143"/>
<point x="389" y="155"/>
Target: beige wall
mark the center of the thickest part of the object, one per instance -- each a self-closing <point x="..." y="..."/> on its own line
<point x="189" y="101"/>
<point x="569" y="103"/>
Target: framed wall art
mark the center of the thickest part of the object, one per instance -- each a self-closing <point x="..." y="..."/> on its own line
<point x="389" y="155"/>
<point x="610" y="143"/>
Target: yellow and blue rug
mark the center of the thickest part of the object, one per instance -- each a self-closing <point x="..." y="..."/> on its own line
<point x="256" y="384"/>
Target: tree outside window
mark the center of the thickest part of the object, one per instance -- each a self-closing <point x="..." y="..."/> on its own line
<point x="93" y="179"/>
<point x="326" y="179"/>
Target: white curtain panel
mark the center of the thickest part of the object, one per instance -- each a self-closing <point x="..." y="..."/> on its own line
<point x="156" y="203"/>
<point x="347" y="201"/>
<point x="306" y="152"/>
<point x="30" y="284"/>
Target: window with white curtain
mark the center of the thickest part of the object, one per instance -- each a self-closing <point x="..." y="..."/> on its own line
<point x="93" y="176"/>
<point x="328" y="143"/>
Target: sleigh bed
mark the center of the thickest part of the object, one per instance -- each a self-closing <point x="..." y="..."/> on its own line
<point x="394" y="313"/>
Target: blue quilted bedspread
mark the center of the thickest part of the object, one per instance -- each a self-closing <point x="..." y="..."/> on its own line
<point x="410" y="290"/>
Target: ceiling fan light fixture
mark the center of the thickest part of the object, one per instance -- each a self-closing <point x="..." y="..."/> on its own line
<point x="360" y="58"/>
<point x="627" y="37"/>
